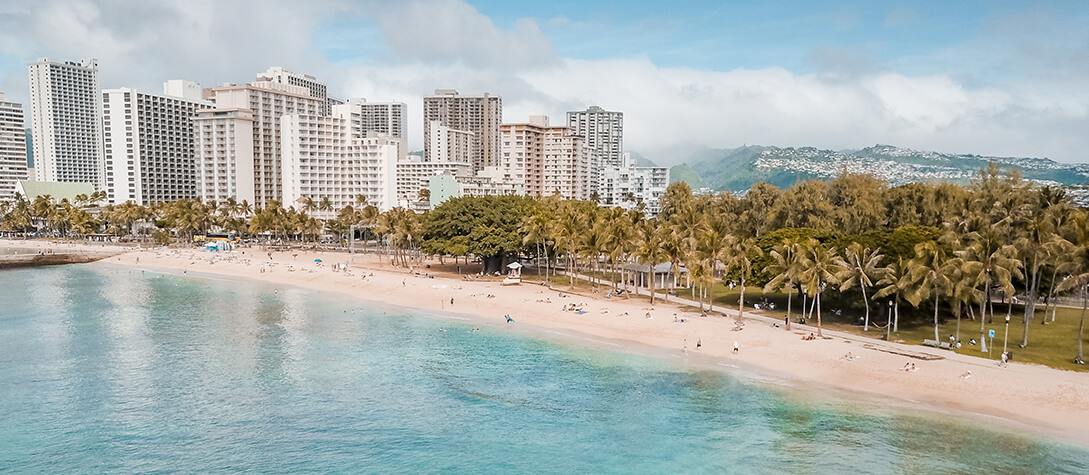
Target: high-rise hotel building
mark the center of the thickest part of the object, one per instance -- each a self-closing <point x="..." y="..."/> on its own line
<point x="12" y="148"/>
<point x="385" y="118"/>
<point x="480" y="115"/>
<point x="256" y="108"/>
<point x="150" y="145"/>
<point x="332" y="157"/>
<point x="66" y="121"/>
<point x="603" y="130"/>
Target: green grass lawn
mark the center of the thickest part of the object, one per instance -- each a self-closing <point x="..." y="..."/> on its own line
<point x="1053" y="344"/>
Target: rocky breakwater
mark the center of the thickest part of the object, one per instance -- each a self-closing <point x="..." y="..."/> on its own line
<point x="38" y="259"/>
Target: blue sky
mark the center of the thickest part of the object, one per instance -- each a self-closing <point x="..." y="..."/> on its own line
<point x="987" y="77"/>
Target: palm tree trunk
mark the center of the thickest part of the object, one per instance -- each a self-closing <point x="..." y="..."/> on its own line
<point x="651" y="284"/>
<point x="1050" y="295"/>
<point x="790" y="294"/>
<point x="817" y="300"/>
<point x="741" y="302"/>
<point x="866" y="301"/>
<point x="983" y="313"/>
<point x="896" y="315"/>
<point x="1081" y="323"/>
<point x="957" y="310"/>
<point x="1030" y="306"/>
<point x="936" y="337"/>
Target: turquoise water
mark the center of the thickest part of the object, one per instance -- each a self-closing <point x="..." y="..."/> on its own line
<point x="106" y="369"/>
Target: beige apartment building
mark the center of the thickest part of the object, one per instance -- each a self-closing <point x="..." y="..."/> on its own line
<point x="481" y="115"/>
<point x="547" y="159"/>
<point x="224" y="147"/>
<point x="266" y="102"/>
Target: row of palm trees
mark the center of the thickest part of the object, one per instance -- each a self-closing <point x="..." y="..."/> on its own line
<point x="1000" y="236"/>
<point x="1009" y="238"/>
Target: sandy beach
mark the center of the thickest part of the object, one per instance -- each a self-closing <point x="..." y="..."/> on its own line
<point x="1022" y="396"/>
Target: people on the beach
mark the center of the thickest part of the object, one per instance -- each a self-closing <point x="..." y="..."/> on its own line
<point x="509" y="320"/>
<point x="737" y="347"/>
<point x="699" y="343"/>
<point x="686" y="345"/>
<point x="966" y="374"/>
<point x="809" y="337"/>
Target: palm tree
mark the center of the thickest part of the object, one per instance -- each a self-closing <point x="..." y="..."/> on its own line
<point x="820" y="270"/>
<point x="1056" y="250"/>
<point x="894" y="281"/>
<point x="1077" y="265"/>
<point x="649" y="248"/>
<point x="990" y="261"/>
<point x="739" y="262"/>
<point x="964" y="289"/>
<point x="929" y="271"/>
<point x="786" y="268"/>
<point x="859" y="267"/>
<point x="715" y="242"/>
<point x="535" y="229"/>
<point x="617" y="240"/>
<point x="592" y="245"/>
<point x="568" y="231"/>
<point x="675" y="251"/>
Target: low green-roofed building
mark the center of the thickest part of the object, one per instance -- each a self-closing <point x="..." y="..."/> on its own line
<point x="58" y="190"/>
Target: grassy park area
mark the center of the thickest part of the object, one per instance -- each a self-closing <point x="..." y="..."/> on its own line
<point x="1053" y="344"/>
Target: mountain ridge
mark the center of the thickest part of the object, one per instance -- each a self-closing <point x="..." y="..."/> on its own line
<point x="738" y="169"/>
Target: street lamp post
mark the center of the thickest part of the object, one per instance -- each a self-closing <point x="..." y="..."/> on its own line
<point x="1004" y="337"/>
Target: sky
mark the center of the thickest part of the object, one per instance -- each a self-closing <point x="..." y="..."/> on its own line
<point x="995" y="77"/>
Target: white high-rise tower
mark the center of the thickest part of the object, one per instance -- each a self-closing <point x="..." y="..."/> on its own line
<point x="603" y="130"/>
<point x="66" y="121"/>
<point x="150" y="151"/>
<point x="12" y="147"/>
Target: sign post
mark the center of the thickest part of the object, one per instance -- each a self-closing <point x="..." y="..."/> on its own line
<point x="990" y="334"/>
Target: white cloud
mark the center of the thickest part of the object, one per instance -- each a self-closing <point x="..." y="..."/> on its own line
<point x="448" y="44"/>
<point x="451" y="31"/>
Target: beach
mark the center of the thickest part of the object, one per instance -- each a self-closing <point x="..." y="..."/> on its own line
<point x="1025" y="397"/>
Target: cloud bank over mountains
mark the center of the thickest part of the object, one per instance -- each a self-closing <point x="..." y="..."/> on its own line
<point x="951" y="100"/>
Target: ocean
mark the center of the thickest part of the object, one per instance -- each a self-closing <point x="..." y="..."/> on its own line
<point x="112" y="369"/>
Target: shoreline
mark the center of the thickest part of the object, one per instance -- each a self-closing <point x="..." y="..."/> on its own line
<point x="1025" y="398"/>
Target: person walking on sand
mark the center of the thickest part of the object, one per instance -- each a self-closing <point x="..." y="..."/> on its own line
<point x="737" y="347"/>
<point x="686" y="345"/>
<point x="699" y="343"/>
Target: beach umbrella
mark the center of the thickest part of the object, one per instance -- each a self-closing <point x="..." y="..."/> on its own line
<point x="317" y="260"/>
<point x="514" y="265"/>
